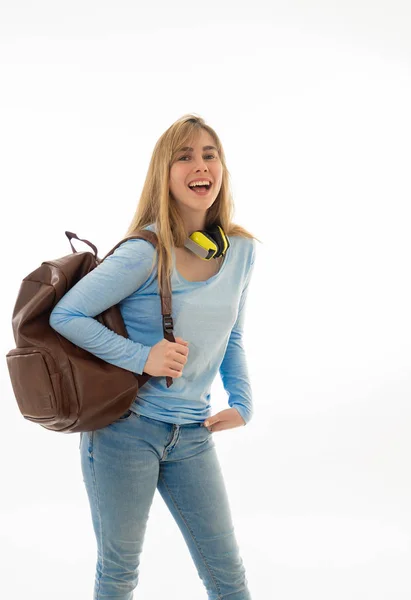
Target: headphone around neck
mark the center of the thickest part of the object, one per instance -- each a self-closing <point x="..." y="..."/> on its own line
<point x="208" y="243"/>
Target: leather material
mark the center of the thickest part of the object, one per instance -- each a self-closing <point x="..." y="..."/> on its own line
<point x="57" y="384"/>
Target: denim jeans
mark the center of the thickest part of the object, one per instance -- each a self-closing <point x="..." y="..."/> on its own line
<point x="122" y="466"/>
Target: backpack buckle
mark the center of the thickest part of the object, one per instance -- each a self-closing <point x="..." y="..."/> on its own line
<point x="168" y="323"/>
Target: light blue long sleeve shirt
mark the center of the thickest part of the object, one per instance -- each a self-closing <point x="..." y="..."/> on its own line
<point x="208" y="314"/>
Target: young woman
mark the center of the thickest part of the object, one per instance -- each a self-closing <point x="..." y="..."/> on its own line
<point x="165" y="440"/>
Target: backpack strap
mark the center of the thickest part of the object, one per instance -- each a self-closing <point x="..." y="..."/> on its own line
<point x="166" y="298"/>
<point x="71" y="235"/>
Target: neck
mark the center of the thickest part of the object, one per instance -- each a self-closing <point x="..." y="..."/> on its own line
<point x="194" y="221"/>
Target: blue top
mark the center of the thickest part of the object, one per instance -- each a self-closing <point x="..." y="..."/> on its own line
<point x="208" y="314"/>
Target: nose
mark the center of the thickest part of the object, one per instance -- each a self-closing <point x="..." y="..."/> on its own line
<point x="200" y="162"/>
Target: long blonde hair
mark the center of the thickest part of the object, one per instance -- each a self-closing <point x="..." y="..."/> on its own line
<point x="156" y="204"/>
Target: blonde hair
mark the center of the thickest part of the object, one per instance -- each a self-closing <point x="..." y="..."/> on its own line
<point x="156" y="205"/>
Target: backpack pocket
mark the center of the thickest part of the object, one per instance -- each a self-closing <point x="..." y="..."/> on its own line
<point x="36" y="383"/>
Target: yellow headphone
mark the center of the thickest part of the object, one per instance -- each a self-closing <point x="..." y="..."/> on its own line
<point x="209" y="243"/>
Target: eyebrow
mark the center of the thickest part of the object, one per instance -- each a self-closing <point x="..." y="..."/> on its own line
<point x="187" y="148"/>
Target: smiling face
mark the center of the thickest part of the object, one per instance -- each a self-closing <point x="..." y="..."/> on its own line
<point x="203" y="163"/>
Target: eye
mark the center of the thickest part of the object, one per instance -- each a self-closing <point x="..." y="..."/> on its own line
<point x="207" y="156"/>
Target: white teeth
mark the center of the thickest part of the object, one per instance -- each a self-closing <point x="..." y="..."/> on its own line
<point x="199" y="183"/>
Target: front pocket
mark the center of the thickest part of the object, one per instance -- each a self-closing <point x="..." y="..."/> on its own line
<point x="126" y="415"/>
<point x="36" y="383"/>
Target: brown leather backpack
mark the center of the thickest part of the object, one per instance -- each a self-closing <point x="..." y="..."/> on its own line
<point x="57" y="384"/>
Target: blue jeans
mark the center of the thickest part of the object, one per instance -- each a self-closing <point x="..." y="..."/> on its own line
<point x="122" y="466"/>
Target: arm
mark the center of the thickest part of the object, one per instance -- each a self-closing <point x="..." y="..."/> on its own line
<point x="233" y="369"/>
<point x="117" y="277"/>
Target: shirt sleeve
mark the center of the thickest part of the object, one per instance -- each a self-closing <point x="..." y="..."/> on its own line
<point x="233" y="369"/>
<point x="115" y="278"/>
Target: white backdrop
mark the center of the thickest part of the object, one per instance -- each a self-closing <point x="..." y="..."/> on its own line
<point x="312" y="103"/>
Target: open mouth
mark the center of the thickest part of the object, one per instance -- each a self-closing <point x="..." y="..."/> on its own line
<point x="201" y="190"/>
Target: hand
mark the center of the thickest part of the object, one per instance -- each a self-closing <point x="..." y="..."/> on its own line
<point x="167" y="359"/>
<point x="225" y="419"/>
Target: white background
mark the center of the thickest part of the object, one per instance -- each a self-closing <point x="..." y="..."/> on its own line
<point x="312" y="103"/>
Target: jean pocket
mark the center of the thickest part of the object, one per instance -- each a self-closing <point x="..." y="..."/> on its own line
<point x="127" y="415"/>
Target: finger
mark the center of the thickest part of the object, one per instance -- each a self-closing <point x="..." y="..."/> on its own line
<point x="177" y="364"/>
<point x="181" y="349"/>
